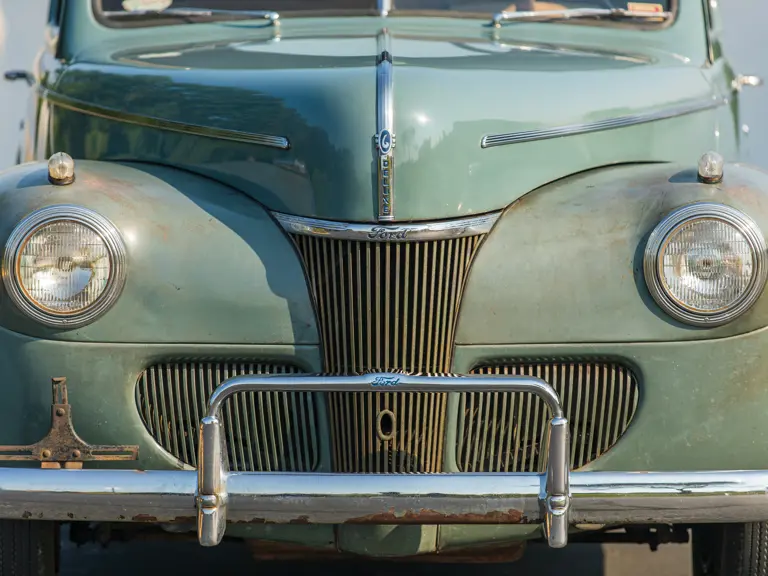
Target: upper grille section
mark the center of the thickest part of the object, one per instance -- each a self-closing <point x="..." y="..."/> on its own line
<point x="264" y="431"/>
<point x="387" y="306"/>
<point x="506" y="432"/>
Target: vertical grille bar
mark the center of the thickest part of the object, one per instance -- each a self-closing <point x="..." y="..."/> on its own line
<point x="272" y="431"/>
<point x="387" y="307"/>
<point x="600" y="400"/>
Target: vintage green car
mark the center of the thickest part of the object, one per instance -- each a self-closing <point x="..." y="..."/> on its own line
<point x="537" y="314"/>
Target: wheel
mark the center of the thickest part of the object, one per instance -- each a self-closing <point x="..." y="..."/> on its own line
<point x="29" y="548"/>
<point x="730" y="550"/>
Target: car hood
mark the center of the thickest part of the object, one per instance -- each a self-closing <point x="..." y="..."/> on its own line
<point x="204" y="105"/>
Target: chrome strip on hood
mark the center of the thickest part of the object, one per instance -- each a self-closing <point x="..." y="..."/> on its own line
<point x="608" y="124"/>
<point x="171" y="125"/>
<point x="384" y="140"/>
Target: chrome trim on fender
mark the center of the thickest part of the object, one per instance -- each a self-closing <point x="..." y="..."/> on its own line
<point x="608" y="124"/>
<point x="169" y="125"/>
<point x="388" y="233"/>
<point x="384" y="139"/>
<point x="65" y="212"/>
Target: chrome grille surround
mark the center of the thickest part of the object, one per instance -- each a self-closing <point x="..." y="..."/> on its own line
<point x="506" y="432"/>
<point x="264" y="431"/>
<point x="387" y="299"/>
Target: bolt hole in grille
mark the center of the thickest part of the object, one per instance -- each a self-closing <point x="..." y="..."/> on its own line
<point x="387" y="306"/>
<point x="501" y="432"/>
<point x="265" y="431"/>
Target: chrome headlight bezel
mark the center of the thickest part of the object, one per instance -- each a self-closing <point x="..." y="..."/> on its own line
<point x="85" y="217"/>
<point x="698" y="211"/>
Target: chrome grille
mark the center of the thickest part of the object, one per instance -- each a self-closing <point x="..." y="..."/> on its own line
<point x="265" y="431"/>
<point x="506" y="432"/>
<point x="387" y="306"/>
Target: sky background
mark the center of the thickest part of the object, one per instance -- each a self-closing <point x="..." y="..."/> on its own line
<point x="746" y="44"/>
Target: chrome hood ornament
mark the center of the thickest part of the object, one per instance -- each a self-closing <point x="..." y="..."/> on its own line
<point x="384" y="140"/>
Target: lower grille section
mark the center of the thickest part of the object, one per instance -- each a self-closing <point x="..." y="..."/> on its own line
<point x="387" y="432"/>
<point x="506" y="432"/>
<point x="265" y="431"/>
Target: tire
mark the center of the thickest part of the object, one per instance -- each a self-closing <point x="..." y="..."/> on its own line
<point x="730" y="550"/>
<point x="29" y="548"/>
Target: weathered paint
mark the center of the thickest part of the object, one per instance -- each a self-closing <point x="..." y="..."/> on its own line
<point x="316" y="87"/>
<point x="564" y="263"/>
<point x="205" y="263"/>
<point x="556" y="278"/>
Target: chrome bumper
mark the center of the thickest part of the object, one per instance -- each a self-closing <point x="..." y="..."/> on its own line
<point x="213" y="496"/>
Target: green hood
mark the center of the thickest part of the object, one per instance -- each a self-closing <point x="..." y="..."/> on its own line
<point x="319" y="92"/>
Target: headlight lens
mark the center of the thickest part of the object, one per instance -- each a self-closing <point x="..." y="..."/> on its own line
<point x="64" y="265"/>
<point x="705" y="264"/>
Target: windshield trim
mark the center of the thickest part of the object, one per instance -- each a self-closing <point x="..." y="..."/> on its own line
<point x="104" y="19"/>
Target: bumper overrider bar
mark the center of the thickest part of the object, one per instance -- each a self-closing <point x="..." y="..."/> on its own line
<point x="214" y="496"/>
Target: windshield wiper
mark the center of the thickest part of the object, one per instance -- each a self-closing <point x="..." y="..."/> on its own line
<point x="190" y="14"/>
<point x="576" y="13"/>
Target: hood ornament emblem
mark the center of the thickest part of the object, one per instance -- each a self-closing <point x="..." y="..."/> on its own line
<point x="384" y="140"/>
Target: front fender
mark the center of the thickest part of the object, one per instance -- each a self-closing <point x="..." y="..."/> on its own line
<point x="564" y="263"/>
<point x="206" y="264"/>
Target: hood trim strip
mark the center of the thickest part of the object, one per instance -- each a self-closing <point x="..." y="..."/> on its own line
<point x="691" y="107"/>
<point x="81" y="107"/>
<point x="413" y="232"/>
<point x="384" y="139"/>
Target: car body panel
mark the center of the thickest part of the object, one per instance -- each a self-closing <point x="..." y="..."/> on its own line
<point x="316" y="87"/>
<point x="190" y="295"/>
<point x="565" y="262"/>
<point x="163" y="128"/>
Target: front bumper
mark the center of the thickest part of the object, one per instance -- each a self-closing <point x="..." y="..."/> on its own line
<point x="213" y="497"/>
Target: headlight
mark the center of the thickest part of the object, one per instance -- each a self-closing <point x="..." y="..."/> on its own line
<point x="705" y="264"/>
<point x="64" y="266"/>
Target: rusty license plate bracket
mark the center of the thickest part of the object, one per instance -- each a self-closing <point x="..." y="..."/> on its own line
<point x="62" y="447"/>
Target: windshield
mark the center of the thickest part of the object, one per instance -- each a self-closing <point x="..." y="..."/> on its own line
<point x="122" y="9"/>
